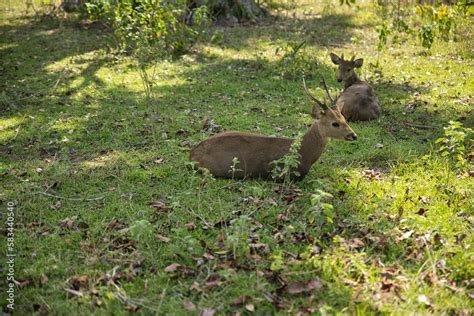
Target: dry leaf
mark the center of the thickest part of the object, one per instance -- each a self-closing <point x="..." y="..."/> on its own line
<point x="208" y="312"/>
<point x="190" y="226"/>
<point x="301" y="286"/>
<point x="250" y="307"/>
<point x="159" y="205"/>
<point x="163" y="238"/>
<point x="173" y="267"/>
<point x="241" y="300"/>
<point x="189" y="306"/>
<point x="43" y="279"/>
<point x="424" y="300"/>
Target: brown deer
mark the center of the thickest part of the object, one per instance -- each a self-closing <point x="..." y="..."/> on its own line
<point x="245" y="155"/>
<point x="358" y="101"/>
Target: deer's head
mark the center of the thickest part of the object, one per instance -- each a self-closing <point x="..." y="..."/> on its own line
<point x="331" y="123"/>
<point x="346" y="67"/>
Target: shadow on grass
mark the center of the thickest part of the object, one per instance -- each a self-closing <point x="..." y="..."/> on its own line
<point x="236" y="93"/>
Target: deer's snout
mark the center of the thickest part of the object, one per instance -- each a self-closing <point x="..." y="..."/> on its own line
<point x="339" y="79"/>
<point x="351" y="136"/>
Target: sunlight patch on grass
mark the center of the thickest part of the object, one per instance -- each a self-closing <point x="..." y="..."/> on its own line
<point x="100" y="161"/>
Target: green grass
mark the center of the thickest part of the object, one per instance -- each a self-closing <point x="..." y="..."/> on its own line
<point x="75" y="124"/>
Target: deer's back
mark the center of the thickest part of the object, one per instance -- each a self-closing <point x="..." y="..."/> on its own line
<point x="254" y="154"/>
<point x="358" y="102"/>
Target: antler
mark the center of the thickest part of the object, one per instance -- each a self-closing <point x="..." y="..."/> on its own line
<point x="353" y="57"/>
<point x="322" y="105"/>
<point x="342" y="56"/>
<point x="323" y="82"/>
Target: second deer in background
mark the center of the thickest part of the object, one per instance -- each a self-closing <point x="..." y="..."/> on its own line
<point x="358" y="101"/>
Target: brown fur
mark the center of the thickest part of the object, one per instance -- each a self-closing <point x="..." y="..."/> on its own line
<point x="255" y="153"/>
<point x="358" y="101"/>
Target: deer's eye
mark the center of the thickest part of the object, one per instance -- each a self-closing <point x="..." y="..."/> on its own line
<point x="348" y="69"/>
<point x="335" y="124"/>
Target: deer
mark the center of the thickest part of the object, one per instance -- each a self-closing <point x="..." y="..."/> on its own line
<point x="358" y="101"/>
<point x="241" y="155"/>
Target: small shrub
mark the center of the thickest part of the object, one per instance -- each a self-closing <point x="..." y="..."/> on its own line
<point x="286" y="168"/>
<point x="295" y="62"/>
<point x="453" y="144"/>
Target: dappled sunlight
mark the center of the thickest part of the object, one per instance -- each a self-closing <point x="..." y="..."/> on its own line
<point x="106" y="195"/>
<point x="100" y="161"/>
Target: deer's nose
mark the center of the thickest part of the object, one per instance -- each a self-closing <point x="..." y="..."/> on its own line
<point x="351" y="136"/>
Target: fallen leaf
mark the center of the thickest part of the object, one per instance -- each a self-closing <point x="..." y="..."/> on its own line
<point x="190" y="226"/>
<point x="208" y="312"/>
<point x="250" y="307"/>
<point x="301" y="286"/>
<point x="173" y="267"/>
<point x="424" y="199"/>
<point x="407" y="235"/>
<point x="116" y="224"/>
<point x="241" y="300"/>
<point x="208" y="255"/>
<point x="132" y="307"/>
<point x="159" y="161"/>
<point x="213" y="281"/>
<point x="43" y="279"/>
<point x="163" y="238"/>
<point x="68" y="222"/>
<point x="78" y="282"/>
<point x="210" y="126"/>
<point x="424" y="300"/>
<point x="189" y="306"/>
<point x="356" y="243"/>
<point x="159" y="205"/>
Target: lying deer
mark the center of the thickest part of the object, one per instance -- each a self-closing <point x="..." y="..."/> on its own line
<point x="358" y="101"/>
<point x="245" y="155"/>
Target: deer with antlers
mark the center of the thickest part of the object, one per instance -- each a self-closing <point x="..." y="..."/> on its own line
<point x="245" y="155"/>
<point x="358" y="101"/>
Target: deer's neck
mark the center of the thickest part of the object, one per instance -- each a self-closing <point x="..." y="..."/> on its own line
<point x="351" y="80"/>
<point x="312" y="146"/>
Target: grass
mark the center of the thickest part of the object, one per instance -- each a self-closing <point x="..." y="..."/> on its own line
<point x="84" y="153"/>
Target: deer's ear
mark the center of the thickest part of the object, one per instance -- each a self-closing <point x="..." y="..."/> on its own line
<point x="335" y="59"/>
<point x="317" y="112"/>
<point x="358" y="62"/>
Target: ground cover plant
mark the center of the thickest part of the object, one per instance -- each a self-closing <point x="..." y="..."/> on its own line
<point x="110" y="218"/>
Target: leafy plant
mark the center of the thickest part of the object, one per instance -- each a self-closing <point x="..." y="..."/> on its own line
<point x="383" y="32"/>
<point x="426" y="36"/>
<point x="295" y="62"/>
<point x="151" y="23"/>
<point x="277" y="262"/>
<point x="453" y="143"/>
<point x="320" y="210"/>
<point x="286" y="167"/>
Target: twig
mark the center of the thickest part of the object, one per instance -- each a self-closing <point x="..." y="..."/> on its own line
<point x="71" y="199"/>
<point x="417" y="125"/>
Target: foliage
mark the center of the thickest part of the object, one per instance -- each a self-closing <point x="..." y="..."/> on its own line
<point x="453" y="144"/>
<point x="320" y="211"/>
<point x="428" y="22"/>
<point x="295" y="61"/>
<point x="151" y="23"/>
<point x="286" y="168"/>
<point x="91" y="149"/>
